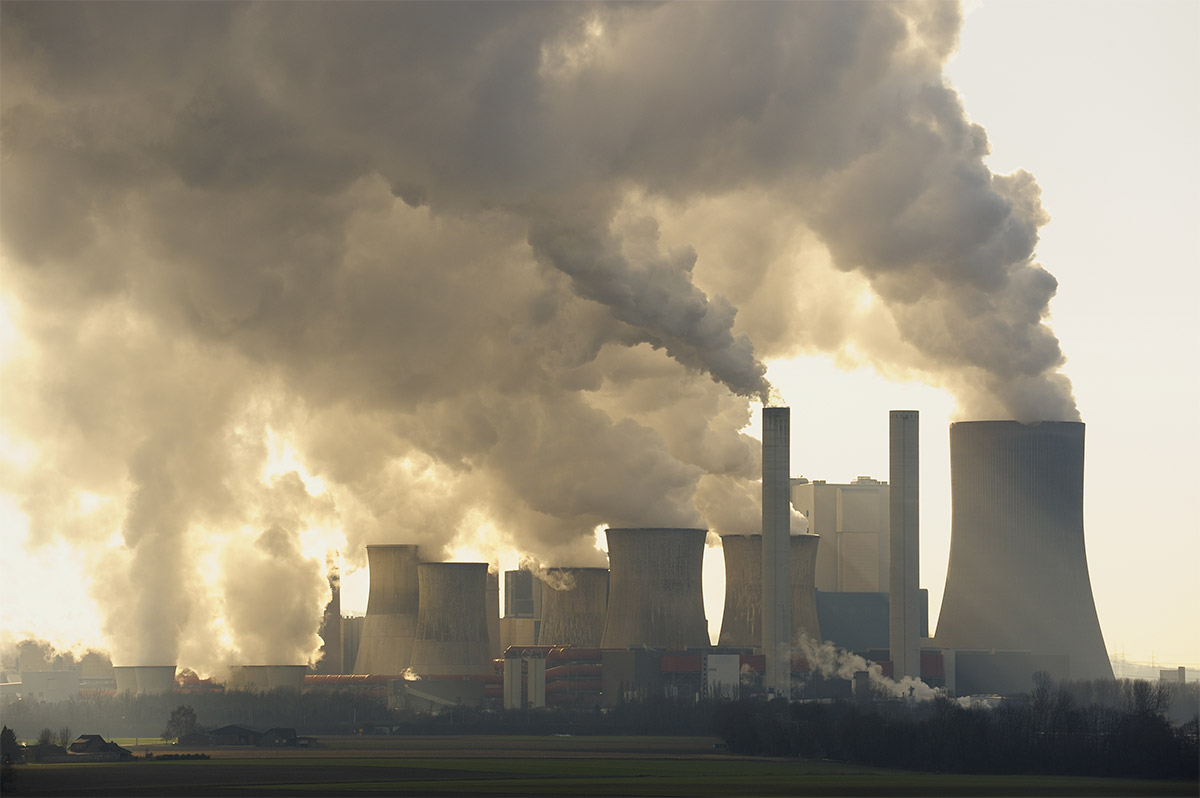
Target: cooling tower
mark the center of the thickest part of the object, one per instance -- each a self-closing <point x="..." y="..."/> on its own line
<point x="126" y="678"/>
<point x="1018" y="577"/>
<point x="742" y="623"/>
<point x="153" y="679"/>
<point x="574" y="606"/>
<point x="452" y="633"/>
<point x="655" y="590"/>
<point x="386" y="639"/>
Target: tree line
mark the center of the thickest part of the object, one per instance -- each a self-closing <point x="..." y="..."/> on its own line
<point x="1105" y="728"/>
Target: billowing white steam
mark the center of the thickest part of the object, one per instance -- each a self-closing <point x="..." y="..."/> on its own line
<point x="831" y="661"/>
<point x="491" y="266"/>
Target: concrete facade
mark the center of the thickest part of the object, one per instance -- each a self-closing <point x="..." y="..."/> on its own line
<point x="452" y="634"/>
<point x="853" y="521"/>
<point x="574" y="606"/>
<point x="1018" y="579"/>
<point x="386" y="639"/>
<point x="741" y="624"/>
<point x="904" y="639"/>
<point x="776" y="548"/>
<point x="656" y="588"/>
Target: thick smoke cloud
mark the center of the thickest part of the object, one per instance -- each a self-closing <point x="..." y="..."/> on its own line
<point x="497" y="271"/>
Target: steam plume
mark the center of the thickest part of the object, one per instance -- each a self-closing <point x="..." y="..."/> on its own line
<point x="487" y="267"/>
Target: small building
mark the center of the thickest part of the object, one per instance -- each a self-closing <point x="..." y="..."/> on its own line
<point x="233" y="735"/>
<point x="96" y="748"/>
<point x="278" y="738"/>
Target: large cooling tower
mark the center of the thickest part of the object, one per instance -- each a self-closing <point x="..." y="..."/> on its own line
<point x="1018" y="577"/>
<point x="655" y="589"/>
<point x="386" y="640"/>
<point x="452" y="633"/>
<point x="145" y="679"/>
<point x="574" y="606"/>
<point x="742" y="623"/>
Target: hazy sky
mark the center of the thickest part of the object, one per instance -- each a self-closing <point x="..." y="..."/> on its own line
<point x="280" y="278"/>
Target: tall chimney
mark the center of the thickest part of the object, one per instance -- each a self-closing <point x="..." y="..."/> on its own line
<point x="386" y="639"/>
<point x="776" y="549"/>
<point x="656" y="596"/>
<point x="904" y="636"/>
<point x="1018" y="576"/>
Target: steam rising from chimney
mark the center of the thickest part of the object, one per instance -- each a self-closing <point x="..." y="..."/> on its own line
<point x="494" y="270"/>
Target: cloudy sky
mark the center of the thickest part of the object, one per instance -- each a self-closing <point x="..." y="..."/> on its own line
<point x="283" y="278"/>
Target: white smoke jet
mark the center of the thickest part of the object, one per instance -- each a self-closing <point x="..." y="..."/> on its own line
<point x="828" y="660"/>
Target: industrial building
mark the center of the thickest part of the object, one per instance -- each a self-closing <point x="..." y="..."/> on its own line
<point x="1017" y="600"/>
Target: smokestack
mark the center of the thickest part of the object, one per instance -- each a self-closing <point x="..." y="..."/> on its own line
<point x="1018" y="577"/>
<point x="386" y="640"/>
<point x="574" y="607"/>
<point x="493" y="613"/>
<point x="776" y="554"/>
<point x="904" y="636"/>
<point x="452" y="630"/>
<point x="742" y="622"/>
<point x="655" y="589"/>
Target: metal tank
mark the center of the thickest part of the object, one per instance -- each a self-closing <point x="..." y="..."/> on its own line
<point x="452" y="631"/>
<point x="655" y="589"/>
<point x="742" y="623"/>
<point x="574" y="606"/>
<point x="386" y="638"/>
<point x="1018" y="577"/>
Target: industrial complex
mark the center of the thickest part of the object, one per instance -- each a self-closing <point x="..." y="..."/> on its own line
<point x="1017" y="598"/>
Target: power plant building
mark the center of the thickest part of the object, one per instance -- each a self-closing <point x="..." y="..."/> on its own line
<point x="853" y="522"/>
<point x="1018" y="579"/>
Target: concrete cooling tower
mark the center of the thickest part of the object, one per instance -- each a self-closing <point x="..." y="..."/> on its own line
<point x="386" y="639"/>
<point x="145" y="679"/>
<point x="1018" y="576"/>
<point x="742" y="623"/>
<point x="452" y="629"/>
<point x="655" y="589"/>
<point x="574" y="607"/>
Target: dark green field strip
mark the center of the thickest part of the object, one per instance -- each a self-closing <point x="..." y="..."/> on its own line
<point x="461" y="776"/>
<point x="469" y="745"/>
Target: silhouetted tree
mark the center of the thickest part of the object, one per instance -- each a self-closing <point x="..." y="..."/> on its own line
<point x="64" y="736"/>
<point x="181" y="723"/>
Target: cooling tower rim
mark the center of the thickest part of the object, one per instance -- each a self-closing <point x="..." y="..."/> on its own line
<point x="393" y="546"/>
<point x="1015" y="424"/>
<point x="655" y="529"/>
<point x="574" y="568"/>
<point x="471" y="565"/>
<point x="145" y="666"/>
<point x="759" y="535"/>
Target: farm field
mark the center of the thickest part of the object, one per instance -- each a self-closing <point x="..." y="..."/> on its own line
<point x="518" y="766"/>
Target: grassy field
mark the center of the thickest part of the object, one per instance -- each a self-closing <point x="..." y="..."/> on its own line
<point x="516" y="766"/>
